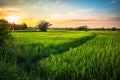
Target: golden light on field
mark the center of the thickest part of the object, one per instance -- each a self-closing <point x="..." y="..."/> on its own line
<point x="13" y="19"/>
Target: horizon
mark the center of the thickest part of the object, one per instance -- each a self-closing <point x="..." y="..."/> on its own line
<point x="64" y="13"/>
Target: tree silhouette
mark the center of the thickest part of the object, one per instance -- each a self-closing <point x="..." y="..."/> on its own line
<point x="19" y="26"/>
<point x="83" y="28"/>
<point x="43" y="25"/>
<point x="113" y="29"/>
<point x="24" y="25"/>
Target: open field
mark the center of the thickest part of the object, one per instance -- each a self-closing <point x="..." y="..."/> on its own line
<point x="62" y="55"/>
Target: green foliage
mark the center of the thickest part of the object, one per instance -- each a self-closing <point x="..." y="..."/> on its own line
<point x="4" y="31"/>
<point x="58" y="55"/>
<point x="97" y="59"/>
<point x="43" y="25"/>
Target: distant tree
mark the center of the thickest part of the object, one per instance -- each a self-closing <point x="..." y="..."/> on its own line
<point x="83" y="28"/>
<point x="113" y="29"/>
<point x="43" y="25"/>
<point x="19" y="26"/>
<point x="4" y="31"/>
<point x="107" y="28"/>
<point x="24" y="25"/>
<point x="102" y="28"/>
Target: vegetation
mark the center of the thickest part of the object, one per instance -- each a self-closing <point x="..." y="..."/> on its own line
<point x="113" y="29"/>
<point x="97" y="59"/>
<point x="58" y="55"/>
<point x="19" y="26"/>
<point x="4" y="31"/>
<point x="43" y="25"/>
<point x="85" y="28"/>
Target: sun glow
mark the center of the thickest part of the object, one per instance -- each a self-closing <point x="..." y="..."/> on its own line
<point x="13" y="19"/>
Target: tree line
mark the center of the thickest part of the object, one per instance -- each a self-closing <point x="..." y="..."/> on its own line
<point x="14" y="26"/>
<point x="42" y="25"/>
<point x="85" y="28"/>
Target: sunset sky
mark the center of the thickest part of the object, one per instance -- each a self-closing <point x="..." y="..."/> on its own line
<point x="64" y="13"/>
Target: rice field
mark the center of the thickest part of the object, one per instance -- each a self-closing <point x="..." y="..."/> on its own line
<point x="62" y="55"/>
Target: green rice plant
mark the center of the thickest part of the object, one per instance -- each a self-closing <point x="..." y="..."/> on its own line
<point x="30" y="47"/>
<point x="97" y="59"/>
<point x="62" y="55"/>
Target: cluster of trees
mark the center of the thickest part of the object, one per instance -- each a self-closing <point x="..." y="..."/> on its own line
<point x="18" y="26"/>
<point x="109" y="29"/>
<point x="85" y="28"/>
<point x="13" y="26"/>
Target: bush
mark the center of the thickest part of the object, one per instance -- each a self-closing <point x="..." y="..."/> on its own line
<point x="4" y="32"/>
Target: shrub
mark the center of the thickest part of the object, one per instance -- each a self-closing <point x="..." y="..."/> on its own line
<point x="4" y="31"/>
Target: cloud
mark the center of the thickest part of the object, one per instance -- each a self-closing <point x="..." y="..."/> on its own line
<point x="8" y="10"/>
<point x="78" y="20"/>
<point x="73" y="14"/>
<point x="58" y="1"/>
<point x="114" y="17"/>
<point x="43" y="9"/>
<point x="26" y="2"/>
<point x="57" y="10"/>
<point x="93" y="18"/>
<point x="18" y="2"/>
<point x="9" y="2"/>
<point x="113" y="1"/>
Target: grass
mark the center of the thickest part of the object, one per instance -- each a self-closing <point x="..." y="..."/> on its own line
<point x="62" y="55"/>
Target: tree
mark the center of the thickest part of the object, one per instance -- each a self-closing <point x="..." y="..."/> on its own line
<point x="43" y="25"/>
<point x="24" y="25"/>
<point x="113" y="29"/>
<point x="19" y="26"/>
<point x="4" y="31"/>
<point x="102" y="28"/>
<point x="83" y="28"/>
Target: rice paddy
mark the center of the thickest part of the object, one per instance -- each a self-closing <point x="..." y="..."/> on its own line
<point x="62" y="55"/>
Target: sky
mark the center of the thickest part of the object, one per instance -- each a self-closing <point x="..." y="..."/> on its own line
<point x="64" y="13"/>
